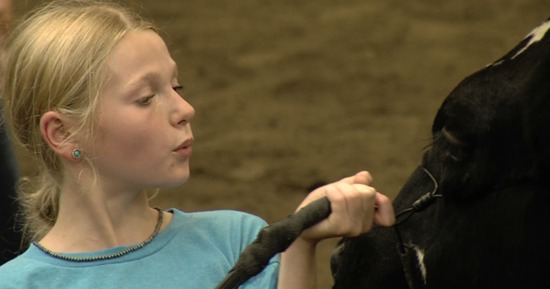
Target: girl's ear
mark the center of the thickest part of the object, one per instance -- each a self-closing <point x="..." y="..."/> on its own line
<point x="54" y="129"/>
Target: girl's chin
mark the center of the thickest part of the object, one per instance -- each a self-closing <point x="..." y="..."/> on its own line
<point x="176" y="183"/>
<point x="176" y="179"/>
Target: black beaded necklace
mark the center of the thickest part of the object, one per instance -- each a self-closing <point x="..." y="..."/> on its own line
<point x="110" y="256"/>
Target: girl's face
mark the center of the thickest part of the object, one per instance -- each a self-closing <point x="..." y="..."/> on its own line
<point x="144" y="133"/>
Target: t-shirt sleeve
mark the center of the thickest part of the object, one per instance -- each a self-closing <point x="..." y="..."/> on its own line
<point x="267" y="278"/>
<point x="232" y="232"/>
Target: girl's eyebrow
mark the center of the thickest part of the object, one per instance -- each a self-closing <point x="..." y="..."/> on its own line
<point x="142" y="78"/>
<point x="148" y="76"/>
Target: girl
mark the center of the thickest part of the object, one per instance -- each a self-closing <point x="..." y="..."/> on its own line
<point x="92" y="92"/>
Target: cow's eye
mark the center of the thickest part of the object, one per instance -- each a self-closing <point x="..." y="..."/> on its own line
<point x="451" y="138"/>
<point x="452" y="147"/>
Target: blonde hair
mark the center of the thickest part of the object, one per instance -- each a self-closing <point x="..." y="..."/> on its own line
<point x="55" y="62"/>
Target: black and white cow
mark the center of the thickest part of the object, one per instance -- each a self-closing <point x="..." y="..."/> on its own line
<point x="476" y="212"/>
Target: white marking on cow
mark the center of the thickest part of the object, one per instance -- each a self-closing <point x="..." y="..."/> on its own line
<point x="495" y="63"/>
<point x="535" y="36"/>
<point x="420" y="258"/>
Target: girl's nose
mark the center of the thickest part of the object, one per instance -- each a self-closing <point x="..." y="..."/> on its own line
<point x="183" y="111"/>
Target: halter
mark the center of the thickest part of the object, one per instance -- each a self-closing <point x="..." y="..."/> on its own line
<point x="278" y="236"/>
<point x="409" y="259"/>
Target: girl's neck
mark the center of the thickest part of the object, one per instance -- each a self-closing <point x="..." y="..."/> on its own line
<point x="99" y="219"/>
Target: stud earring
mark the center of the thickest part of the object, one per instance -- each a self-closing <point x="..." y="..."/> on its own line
<point x="76" y="154"/>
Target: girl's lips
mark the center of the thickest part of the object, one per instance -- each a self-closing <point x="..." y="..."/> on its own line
<point x="185" y="150"/>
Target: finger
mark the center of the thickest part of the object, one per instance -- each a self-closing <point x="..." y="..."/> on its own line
<point x="359" y="208"/>
<point x="384" y="214"/>
<point x="344" y="220"/>
<point x="312" y="196"/>
<point x="362" y="177"/>
<point x="368" y="205"/>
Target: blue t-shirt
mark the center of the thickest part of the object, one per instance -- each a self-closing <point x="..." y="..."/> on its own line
<point x="195" y="251"/>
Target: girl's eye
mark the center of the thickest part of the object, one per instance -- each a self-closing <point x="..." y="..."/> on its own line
<point x="179" y="89"/>
<point x="145" y="100"/>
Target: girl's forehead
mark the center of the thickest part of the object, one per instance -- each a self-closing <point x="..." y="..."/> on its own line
<point x="137" y="45"/>
<point x="139" y="55"/>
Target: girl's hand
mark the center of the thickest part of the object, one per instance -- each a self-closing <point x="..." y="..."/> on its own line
<point x="356" y="207"/>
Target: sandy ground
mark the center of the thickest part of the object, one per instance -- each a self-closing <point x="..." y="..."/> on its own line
<point x="292" y="93"/>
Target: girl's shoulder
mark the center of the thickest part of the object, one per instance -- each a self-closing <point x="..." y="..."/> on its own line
<point x="20" y="270"/>
<point x="218" y="218"/>
<point x="226" y="225"/>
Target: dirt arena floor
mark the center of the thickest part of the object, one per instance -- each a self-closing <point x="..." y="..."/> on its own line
<point x="292" y="93"/>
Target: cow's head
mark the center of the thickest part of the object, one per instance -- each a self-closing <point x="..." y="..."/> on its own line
<point x="490" y="162"/>
<point x="493" y="129"/>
